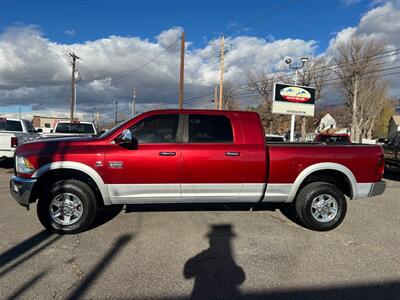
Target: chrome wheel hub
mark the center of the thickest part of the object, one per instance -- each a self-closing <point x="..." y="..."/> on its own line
<point x="65" y="209"/>
<point x="324" y="208"/>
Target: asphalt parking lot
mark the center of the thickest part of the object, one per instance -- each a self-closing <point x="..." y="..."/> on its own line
<point x="203" y="252"/>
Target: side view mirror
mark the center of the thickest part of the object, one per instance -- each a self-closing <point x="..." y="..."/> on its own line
<point x="127" y="140"/>
<point x="51" y="130"/>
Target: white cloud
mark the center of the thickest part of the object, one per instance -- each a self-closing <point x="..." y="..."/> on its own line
<point x="36" y="71"/>
<point x="70" y="33"/>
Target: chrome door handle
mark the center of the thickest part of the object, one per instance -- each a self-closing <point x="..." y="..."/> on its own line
<point x="165" y="153"/>
<point x="232" y="153"/>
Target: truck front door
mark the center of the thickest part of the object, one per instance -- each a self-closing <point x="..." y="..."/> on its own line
<point x="151" y="172"/>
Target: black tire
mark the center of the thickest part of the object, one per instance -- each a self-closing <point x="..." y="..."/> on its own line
<point x="304" y="201"/>
<point x="80" y="190"/>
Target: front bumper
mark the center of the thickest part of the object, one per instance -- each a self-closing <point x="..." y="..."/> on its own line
<point x="21" y="189"/>
<point x="377" y="188"/>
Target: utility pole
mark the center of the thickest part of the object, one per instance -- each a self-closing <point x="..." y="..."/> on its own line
<point x="98" y="120"/>
<point x="116" y="112"/>
<point x="182" y="70"/>
<point x="20" y="111"/>
<point x="134" y="103"/>
<point x="221" y="79"/>
<point x="73" y="84"/>
<point x="215" y="97"/>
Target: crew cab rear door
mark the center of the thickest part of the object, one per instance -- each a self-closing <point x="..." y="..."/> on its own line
<point x="213" y="164"/>
<point x="150" y="172"/>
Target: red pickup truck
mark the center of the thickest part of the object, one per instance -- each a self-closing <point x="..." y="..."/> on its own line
<point x="191" y="156"/>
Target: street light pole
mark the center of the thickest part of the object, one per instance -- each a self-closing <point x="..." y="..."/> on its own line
<point x="296" y="68"/>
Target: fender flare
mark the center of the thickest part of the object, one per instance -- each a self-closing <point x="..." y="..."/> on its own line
<point x="79" y="167"/>
<point x="320" y="167"/>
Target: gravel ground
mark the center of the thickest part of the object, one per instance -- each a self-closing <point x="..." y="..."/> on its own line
<point x="204" y="252"/>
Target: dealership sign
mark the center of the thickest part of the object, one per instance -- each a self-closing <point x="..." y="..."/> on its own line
<point x="293" y="100"/>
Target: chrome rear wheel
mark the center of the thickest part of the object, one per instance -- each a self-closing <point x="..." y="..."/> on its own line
<point x="324" y="208"/>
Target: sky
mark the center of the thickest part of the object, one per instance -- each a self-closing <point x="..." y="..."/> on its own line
<point x="125" y="44"/>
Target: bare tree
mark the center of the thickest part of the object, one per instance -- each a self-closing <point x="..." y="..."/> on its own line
<point x="262" y="83"/>
<point x="229" y="97"/>
<point x="315" y="74"/>
<point x="358" y="72"/>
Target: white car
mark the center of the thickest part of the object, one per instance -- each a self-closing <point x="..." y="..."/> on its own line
<point x="75" y="128"/>
<point x="14" y="132"/>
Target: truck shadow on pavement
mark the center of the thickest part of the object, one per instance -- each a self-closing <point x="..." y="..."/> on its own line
<point x="168" y="207"/>
<point x="285" y="209"/>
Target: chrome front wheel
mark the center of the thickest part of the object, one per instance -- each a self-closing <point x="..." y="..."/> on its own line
<point x="66" y="209"/>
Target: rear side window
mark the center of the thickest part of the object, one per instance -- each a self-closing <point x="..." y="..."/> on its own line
<point x="210" y="129"/>
<point x="7" y="125"/>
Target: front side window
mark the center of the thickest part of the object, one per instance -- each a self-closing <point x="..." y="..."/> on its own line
<point x="210" y="129"/>
<point x="156" y="129"/>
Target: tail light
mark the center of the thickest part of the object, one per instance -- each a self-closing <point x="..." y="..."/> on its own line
<point x="381" y="165"/>
<point x="14" y="142"/>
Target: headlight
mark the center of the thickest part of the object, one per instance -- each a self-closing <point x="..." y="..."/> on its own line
<point x="23" y="166"/>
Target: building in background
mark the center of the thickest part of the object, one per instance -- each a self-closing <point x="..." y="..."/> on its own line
<point x="397" y="106"/>
<point x="46" y="123"/>
<point x="394" y="125"/>
<point x="327" y="122"/>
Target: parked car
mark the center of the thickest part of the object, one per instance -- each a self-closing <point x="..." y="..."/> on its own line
<point x="391" y="148"/>
<point x="75" y="128"/>
<point x="274" y="138"/>
<point x="332" y="138"/>
<point x="14" y="132"/>
<point x="191" y="156"/>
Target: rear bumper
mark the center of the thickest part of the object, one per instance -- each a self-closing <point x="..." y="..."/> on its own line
<point x="21" y="189"/>
<point x="377" y="188"/>
<point x="5" y="154"/>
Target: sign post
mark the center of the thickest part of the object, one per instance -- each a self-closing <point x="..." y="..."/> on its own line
<point x="294" y="100"/>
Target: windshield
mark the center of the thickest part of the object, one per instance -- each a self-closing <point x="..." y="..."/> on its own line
<point x="78" y="128"/>
<point x="6" y="125"/>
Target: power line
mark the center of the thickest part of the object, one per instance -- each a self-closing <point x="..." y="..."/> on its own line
<point x="146" y="63"/>
<point x="270" y="13"/>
